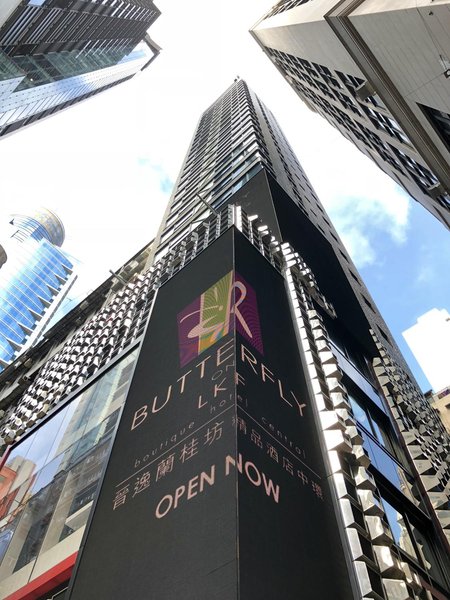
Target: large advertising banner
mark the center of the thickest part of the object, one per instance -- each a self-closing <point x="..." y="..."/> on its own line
<point x="215" y="488"/>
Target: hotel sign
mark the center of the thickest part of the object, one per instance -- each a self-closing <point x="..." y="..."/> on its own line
<point x="216" y="487"/>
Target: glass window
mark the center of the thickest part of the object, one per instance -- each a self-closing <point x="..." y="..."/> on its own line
<point x="382" y="435"/>
<point x="360" y="413"/>
<point x="399" y="529"/>
<point x="413" y="540"/>
<point x="440" y="122"/>
<point x="50" y="479"/>
<point x="390" y="469"/>
<point x="427" y="554"/>
<point x="376" y="424"/>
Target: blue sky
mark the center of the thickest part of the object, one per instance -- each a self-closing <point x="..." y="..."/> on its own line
<point x="400" y="249"/>
<point x="410" y="277"/>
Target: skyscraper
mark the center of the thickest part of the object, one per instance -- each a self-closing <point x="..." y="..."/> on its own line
<point x="379" y="73"/>
<point x="35" y="277"/>
<point x="271" y="442"/>
<point x="238" y="139"/>
<point x="56" y="53"/>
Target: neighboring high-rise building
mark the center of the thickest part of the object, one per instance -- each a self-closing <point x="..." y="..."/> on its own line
<point x="270" y="442"/>
<point x="54" y="53"/>
<point x="380" y="73"/>
<point x="441" y="402"/>
<point x="429" y="341"/>
<point x="35" y="277"/>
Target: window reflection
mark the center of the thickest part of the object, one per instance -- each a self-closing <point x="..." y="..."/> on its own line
<point x="374" y="425"/>
<point x="361" y="379"/>
<point x="50" y="479"/>
<point x="388" y="467"/>
<point x="413" y="540"/>
<point x="359" y="413"/>
<point x="41" y="442"/>
<point x="427" y="554"/>
<point x="399" y="529"/>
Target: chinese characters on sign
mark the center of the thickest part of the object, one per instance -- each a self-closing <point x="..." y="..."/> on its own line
<point x="207" y="435"/>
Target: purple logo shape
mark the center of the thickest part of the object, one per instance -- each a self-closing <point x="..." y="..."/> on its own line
<point x="228" y="304"/>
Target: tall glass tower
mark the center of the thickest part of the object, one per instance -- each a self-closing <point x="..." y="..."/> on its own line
<point x="53" y="54"/>
<point x="237" y="140"/>
<point x="34" y="279"/>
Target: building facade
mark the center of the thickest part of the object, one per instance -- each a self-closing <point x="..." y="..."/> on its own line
<point x="379" y="73"/>
<point x="258" y="428"/>
<point x="53" y="54"/>
<point x="440" y="401"/>
<point x="35" y="277"/>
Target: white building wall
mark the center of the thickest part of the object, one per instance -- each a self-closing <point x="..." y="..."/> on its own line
<point x="413" y="48"/>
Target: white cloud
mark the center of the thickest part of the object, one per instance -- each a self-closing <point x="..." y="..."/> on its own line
<point x="431" y="264"/>
<point x="360" y="199"/>
<point x="110" y="201"/>
<point x="425" y="274"/>
<point x="359" y="247"/>
<point x="360" y="221"/>
<point x="429" y="340"/>
<point x="99" y="164"/>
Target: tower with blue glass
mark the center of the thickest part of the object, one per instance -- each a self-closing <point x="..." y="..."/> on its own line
<point x="35" y="276"/>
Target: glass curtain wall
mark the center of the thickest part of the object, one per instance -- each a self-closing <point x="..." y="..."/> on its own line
<point x="53" y="66"/>
<point x="30" y="281"/>
<point x="49" y="480"/>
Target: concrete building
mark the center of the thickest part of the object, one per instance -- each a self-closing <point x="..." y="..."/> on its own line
<point x="429" y="341"/>
<point x="54" y="54"/>
<point x="261" y="436"/>
<point x="35" y="278"/>
<point x="380" y="73"/>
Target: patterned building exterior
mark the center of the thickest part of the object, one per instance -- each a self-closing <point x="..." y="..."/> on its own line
<point x="86" y="357"/>
<point x="386" y="452"/>
<point x="440" y="401"/>
<point x="379" y="73"/>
